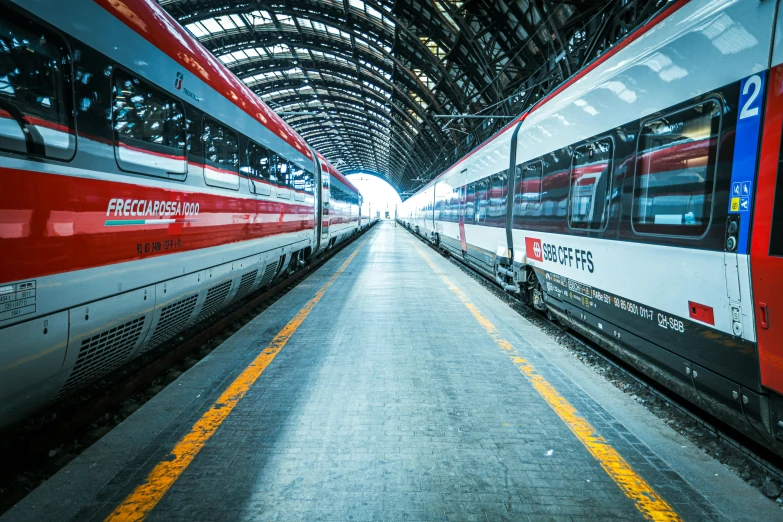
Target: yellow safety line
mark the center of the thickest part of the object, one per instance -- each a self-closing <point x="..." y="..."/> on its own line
<point x="647" y="501"/>
<point x="146" y="496"/>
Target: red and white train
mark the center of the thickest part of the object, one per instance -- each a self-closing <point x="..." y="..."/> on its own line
<point x="640" y="204"/>
<point x="142" y="188"/>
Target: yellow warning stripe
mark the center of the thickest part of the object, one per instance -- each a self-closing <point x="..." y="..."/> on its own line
<point x="647" y="501"/>
<point x="146" y="496"/>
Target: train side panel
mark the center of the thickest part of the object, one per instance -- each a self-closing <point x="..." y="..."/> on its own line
<point x="119" y="243"/>
<point x="767" y="243"/>
<point x="662" y="248"/>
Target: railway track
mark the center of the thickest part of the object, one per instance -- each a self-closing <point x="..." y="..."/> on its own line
<point x="38" y="447"/>
<point x="766" y="461"/>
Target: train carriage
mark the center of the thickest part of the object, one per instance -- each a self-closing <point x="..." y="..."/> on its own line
<point x="636" y="203"/>
<point x="143" y="187"/>
<point x="342" y="205"/>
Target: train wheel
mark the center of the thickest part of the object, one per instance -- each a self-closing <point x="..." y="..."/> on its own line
<point x="535" y="291"/>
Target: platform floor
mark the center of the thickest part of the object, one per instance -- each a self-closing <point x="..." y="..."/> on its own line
<point x="404" y="390"/>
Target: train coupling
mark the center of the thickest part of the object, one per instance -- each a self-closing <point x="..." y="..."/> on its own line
<point x="506" y="275"/>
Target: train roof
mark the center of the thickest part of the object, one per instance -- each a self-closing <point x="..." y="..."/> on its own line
<point x="156" y="26"/>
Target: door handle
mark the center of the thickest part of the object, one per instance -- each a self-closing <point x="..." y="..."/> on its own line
<point x="763" y="315"/>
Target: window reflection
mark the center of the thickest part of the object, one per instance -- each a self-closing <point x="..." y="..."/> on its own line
<point x="149" y="126"/>
<point x="35" y="94"/>
<point x="675" y="171"/>
<point x="590" y="184"/>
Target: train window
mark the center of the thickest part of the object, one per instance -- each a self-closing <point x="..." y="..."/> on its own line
<point x="454" y="204"/>
<point x="470" y="203"/>
<point x="257" y="168"/>
<point x="283" y="177"/>
<point x="149" y="128"/>
<point x="591" y="171"/>
<point x="35" y="90"/>
<point x="776" y="232"/>
<point x="675" y="171"/>
<point x="482" y="187"/>
<point x="776" y="228"/>
<point x="298" y="181"/>
<point x="527" y="184"/>
<point x="309" y="184"/>
<point x="496" y="212"/>
<point x="221" y="156"/>
<point x="274" y="165"/>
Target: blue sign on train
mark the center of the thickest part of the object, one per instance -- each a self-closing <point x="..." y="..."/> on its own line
<point x="746" y="145"/>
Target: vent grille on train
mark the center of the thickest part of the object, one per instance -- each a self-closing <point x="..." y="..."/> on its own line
<point x="269" y="272"/>
<point x="245" y="284"/>
<point x="102" y="353"/>
<point x="215" y="299"/>
<point x="173" y="318"/>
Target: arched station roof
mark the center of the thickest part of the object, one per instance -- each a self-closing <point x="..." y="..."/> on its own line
<point x="363" y="80"/>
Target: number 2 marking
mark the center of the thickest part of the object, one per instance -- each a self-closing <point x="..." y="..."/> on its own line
<point x="747" y="111"/>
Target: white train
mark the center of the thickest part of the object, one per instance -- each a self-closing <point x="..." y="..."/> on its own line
<point x="639" y="203"/>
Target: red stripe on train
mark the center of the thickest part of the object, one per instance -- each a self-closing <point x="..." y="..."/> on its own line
<point x="51" y="223"/>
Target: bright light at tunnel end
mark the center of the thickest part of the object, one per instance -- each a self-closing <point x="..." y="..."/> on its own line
<point x="378" y="195"/>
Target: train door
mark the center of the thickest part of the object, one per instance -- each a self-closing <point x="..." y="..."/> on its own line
<point x="319" y="194"/>
<point x="325" y="195"/>
<point x="767" y="242"/>
<point x="431" y="215"/>
<point x="463" y="203"/>
<point x="360" y="210"/>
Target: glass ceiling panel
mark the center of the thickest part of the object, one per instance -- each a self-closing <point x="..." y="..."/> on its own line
<point x="415" y="116"/>
<point x="433" y="47"/>
<point x="242" y="56"/>
<point x="377" y="89"/>
<point x="259" y="18"/>
<point x="212" y="26"/>
<point x="280" y="93"/>
<point x="371" y="12"/>
<point x="441" y="7"/>
<point x="219" y="24"/>
<point x="423" y="78"/>
<point x="339" y="78"/>
<point x="377" y="69"/>
<point x="279" y="49"/>
<point x="286" y="20"/>
<point x="258" y="78"/>
<point x="418" y="99"/>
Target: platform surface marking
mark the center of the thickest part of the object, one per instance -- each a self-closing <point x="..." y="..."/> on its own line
<point x="647" y="501"/>
<point x="146" y="496"/>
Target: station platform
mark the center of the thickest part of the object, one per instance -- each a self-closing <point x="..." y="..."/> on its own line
<point x="390" y="385"/>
